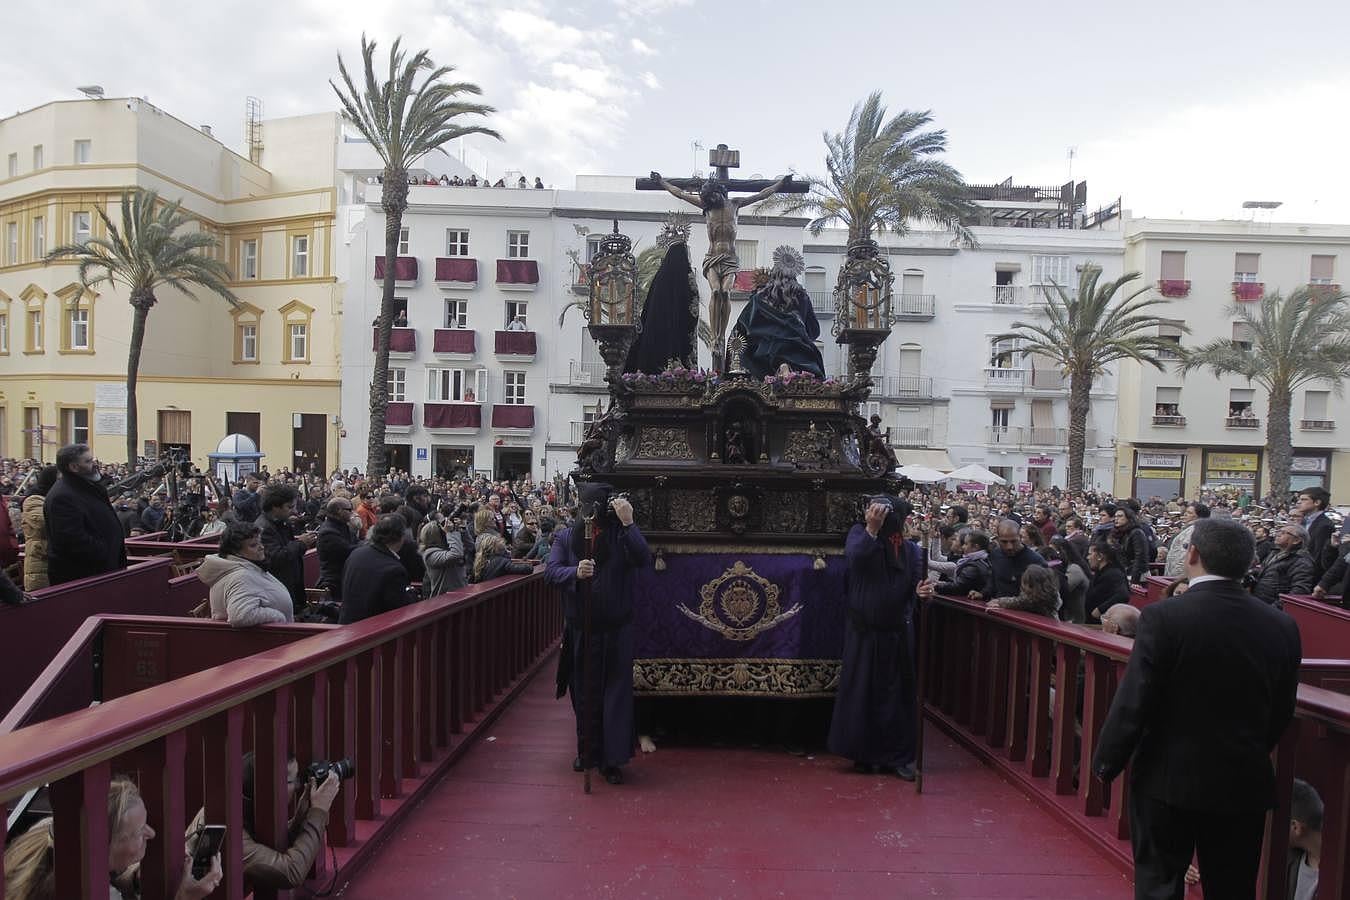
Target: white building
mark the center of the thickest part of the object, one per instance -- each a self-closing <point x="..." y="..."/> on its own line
<point x="469" y="393"/>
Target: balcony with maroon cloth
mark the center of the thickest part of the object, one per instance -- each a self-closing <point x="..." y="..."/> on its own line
<point x="1174" y="287"/>
<point x="513" y="415"/>
<point x="402" y="342"/>
<point x="454" y="343"/>
<point x="1248" y="290"/>
<point x="518" y="346"/>
<point x="452" y="416"/>
<point x="456" y="272"/>
<point x="405" y="269"/>
<point x="398" y="416"/>
<point x="745" y="282"/>
<point x="517" y="274"/>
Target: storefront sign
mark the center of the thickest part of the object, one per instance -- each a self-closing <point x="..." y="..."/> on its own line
<point x="1164" y="474"/>
<point x="1159" y="460"/>
<point x="1024" y="487"/>
<point x="421" y="453"/>
<point x="1040" y="462"/>
<point x="1231" y="468"/>
<point x="1308" y="464"/>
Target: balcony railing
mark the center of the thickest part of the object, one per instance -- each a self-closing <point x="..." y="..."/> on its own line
<point x="914" y="306"/>
<point x="512" y="415"/>
<point x="457" y="271"/>
<point x="1242" y="422"/>
<point x="1008" y="294"/>
<point x="581" y="278"/>
<point x="401" y="340"/>
<point x="515" y="344"/>
<point x="1174" y="287"/>
<point x="999" y="378"/>
<point x="1323" y="290"/>
<point x="1003" y="435"/>
<point x="405" y="268"/>
<point x="1047" y="380"/>
<point x="1170" y="421"/>
<point x="1317" y="425"/>
<point x="1034" y="436"/>
<point x="452" y="415"/>
<point x="1042" y="436"/>
<point x="454" y="341"/>
<point x="518" y="274"/>
<point x="902" y="387"/>
<point x="399" y="414"/>
<point x="908" y="436"/>
<point x="1248" y="290"/>
<point x="579" y="432"/>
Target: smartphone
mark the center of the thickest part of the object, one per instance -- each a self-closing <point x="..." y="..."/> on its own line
<point x="209" y="841"/>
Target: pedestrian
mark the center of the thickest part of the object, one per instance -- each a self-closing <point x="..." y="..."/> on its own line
<point x="84" y="535"/>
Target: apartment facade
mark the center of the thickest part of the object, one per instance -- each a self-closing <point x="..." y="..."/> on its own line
<point x="1178" y="435"/>
<point x="267" y="368"/>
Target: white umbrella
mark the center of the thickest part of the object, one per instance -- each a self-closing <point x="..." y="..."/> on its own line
<point x="921" y="474"/>
<point x="974" y="472"/>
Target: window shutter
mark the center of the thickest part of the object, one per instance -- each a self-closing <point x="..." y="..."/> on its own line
<point x="1174" y="265"/>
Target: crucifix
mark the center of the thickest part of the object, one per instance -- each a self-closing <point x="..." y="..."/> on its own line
<point x="712" y="196"/>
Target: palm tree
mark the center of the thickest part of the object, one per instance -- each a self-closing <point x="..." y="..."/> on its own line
<point x="1084" y="333"/>
<point x="146" y="253"/>
<point x="1295" y="340"/>
<point x="403" y="121"/>
<point x="884" y="173"/>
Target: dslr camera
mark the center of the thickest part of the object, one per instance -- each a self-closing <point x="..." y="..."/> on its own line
<point x="319" y="769"/>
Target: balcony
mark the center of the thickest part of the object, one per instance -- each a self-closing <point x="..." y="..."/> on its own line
<point x="1047" y="380"/>
<point x="1248" y="290"/>
<point x="745" y="282"/>
<point x="515" y="346"/>
<point x="581" y="278"/>
<point x="402" y="342"/>
<point x="1249" y="422"/>
<point x="1323" y="291"/>
<point x="997" y="378"/>
<point x="578" y="432"/>
<point x="405" y="270"/>
<point x="1170" y="421"/>
<point x="1044" y="436"/>
<point x="454" y="343"/>
<point x="1000" y="435"/>
<point x="1174" y="287"/>
<point x="514" y="416"/>
<point x="457" y="417"/>
<point x="1316" y="425"/>
<point x="398" y="417"/>
<point x="456" y="272"/>
<point x="902" y="387"/>
<point x="1009" y="295"/>
<point x="911" y="436"/>
<point x="913" y="307"/>
<point x="517" y="274"/>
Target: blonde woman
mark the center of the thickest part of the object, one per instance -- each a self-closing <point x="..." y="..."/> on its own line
<point x="492" y="560"/>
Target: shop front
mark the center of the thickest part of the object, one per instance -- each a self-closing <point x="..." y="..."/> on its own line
<point x="1158" y="473"/>
<point x="1233" y="469"/>
<point x="1310" y="469"/>
<point x="1039" y="472"/>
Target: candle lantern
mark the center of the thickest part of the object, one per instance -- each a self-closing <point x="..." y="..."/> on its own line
<point x="862" y="304"/>
<point x="610" y="306"/>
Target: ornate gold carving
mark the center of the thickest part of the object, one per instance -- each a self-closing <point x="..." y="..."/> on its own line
<point x="810" y="448"/>
<point x="740" y="604"/>
<point x="736" y="677"/>
<point x="812" y="404"/>
<point x="663" y="443"/>
<point x="692" y="511"/>
<point x="786" y="513"/>
<point x="841" y="511"/>
<point x="738" y="506"/>
<point x="676" y="550"/>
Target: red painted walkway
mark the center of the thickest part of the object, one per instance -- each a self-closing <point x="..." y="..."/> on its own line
<point x="510" y="820"/>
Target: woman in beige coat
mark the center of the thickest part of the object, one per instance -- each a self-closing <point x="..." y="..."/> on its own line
<point x="34" y="524"/>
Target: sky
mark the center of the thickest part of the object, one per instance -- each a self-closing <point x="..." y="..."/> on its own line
<point x="1181" y="108"/>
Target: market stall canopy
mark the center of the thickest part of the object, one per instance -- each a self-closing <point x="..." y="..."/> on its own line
<point x="975" y="473"/>
<point x="921" y="474"/>
<point x="929" y="459"/>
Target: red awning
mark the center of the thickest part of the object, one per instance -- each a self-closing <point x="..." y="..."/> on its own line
<point x="457" y="268"/>
<point x="506" y="415"/>
<point x="517" y="271"/>
<point x="405" y="268"/>
<point x="452" y="415"/>
<point x="515" y="343"/>
<point x="453" y="340"/>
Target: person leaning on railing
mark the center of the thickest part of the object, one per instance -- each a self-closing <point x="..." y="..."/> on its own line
<point x="244" y="593"/>
<point x="30" y="861"/>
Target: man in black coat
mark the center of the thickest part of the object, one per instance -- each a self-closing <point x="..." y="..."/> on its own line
<point x="1288" y="570"/>
<point x="284" y="546"/>
<point x="1010" y="560"/>
<point x="1312" y="505"/>
<point x="374" y="580"/>
<point x="84" y="535"/>
<point x="1207" y="693"/>
<point x="336" y="542"/>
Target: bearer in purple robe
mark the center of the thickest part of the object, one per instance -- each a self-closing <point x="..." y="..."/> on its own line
<point x="604" y="658"/>
<point x="875" y="709"/>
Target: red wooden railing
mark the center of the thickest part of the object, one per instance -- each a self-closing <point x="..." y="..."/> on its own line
<point x="401" y="694"/>
<point x="994" y="681"/>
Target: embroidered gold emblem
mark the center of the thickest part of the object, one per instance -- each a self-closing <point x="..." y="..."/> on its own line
<point x="740" y="604"/>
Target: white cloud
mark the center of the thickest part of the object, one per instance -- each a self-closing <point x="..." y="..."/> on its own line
<point x="641" y="48"/>
<point x="596" y="81"/>
<point x="650" y="80"/>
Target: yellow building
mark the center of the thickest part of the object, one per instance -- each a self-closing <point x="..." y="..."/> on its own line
<point x="268" y="368"/>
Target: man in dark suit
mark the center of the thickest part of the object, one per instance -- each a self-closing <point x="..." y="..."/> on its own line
<point x="1208" y="691"/>
<point x="285" y="546"/>
<point x="1312" y="505"/>
<point x="374" y="580"/>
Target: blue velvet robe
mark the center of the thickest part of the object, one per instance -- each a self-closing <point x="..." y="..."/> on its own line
<point x="777" y="334"/>
<point x="613" y="731"/>
<point x="875" y="718"/>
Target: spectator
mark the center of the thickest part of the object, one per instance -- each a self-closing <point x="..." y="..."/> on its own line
<point x="1288" y="569"/>
<point x="11" y="594"/>
<point x="1043" y="519"/>
<point x="1203" y="703"/>
<point x="152" y="518"/>
<point x="284" y="546"/>
<point x="211" y="522"/>
<point x="244" y="593"/>
<point x="1305" y="841"/>
<point x="1264" y="543"/>
<point x="443" y="557"/>
<point x="1180" y="586"/>
<point x="1312" y="505"/>
<point x="128" y="515"/>
<point x="516" y="324"/>
<point x="34" y="524"/>
<point x="367" y="510"/>
<point x="973" y="573"/>
<point x="246" y="500"/>
<point x="522" y="183"/>
<point x="1121" y="619"/>
<point x="84" y="536"/>
<point x="1039" y="594"/>
<point x="1074" y="580"/>
<point x="492" y="559"/>
<point x="544" y="545"/>
<point x="1132" y="545"/>
<point x="9" y="540"/>
<point x="1109" y="585"/>
<point x="538" y="183"/>
<point x="1176" y="551"/>
<point x="1076" y="535"/>
<point x="335" y="542"/>
<point x="1010" y="560"/>
<point x="374" y="580"/>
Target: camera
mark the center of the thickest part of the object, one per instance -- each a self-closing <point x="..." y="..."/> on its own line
<point x="319" y="769"/>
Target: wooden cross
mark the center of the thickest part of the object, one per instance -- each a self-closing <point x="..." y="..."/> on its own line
<point x="723" y="160"/>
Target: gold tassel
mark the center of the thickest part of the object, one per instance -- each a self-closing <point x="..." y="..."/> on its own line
<point x="660" y="564"/>
<point x="819" y="564"/>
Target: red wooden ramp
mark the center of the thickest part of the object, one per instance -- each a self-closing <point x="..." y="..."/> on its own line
<point x="510" y="820"/>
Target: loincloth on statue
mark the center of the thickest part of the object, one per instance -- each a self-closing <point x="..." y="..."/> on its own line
<point x="720" y="265"/>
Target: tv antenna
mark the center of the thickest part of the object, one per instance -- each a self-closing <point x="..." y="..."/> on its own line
<point x="696" y="147"/>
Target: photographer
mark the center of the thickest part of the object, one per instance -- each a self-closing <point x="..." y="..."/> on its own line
<point x="265" y="866"/>
<point x="285" y="548"/>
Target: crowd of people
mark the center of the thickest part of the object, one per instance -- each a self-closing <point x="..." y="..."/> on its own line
<point x="472" y="181"/>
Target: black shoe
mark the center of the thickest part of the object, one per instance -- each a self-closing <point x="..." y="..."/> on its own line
<point x="905" y="772"/>
<point x="577" y="766"/>
<point x="613" y="774"/>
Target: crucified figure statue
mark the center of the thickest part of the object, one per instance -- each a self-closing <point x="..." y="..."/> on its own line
<point x="720" y="265"/>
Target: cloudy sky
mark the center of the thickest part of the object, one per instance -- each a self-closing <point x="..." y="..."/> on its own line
<point x="1184" y="107"/>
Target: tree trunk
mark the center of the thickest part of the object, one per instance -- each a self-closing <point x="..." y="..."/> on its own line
<point x="140" y="305"/>
<point x="1278" y="442"/>
<point x="393" y="200"/>
<point x="1080" y="389"/>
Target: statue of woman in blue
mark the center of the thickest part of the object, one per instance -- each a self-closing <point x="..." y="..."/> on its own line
<point x="779" y="325"/>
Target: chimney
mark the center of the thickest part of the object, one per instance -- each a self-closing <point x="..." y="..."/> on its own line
<point x="206" y="130"/>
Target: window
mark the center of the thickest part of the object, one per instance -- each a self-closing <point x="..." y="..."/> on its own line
<point x="451" y="385"/>
<point x="300" y="256"/>
<point x="83" y="152"/>
<point x="1167" y="401"/>
<point x="1246" y="267"/>
<point x="296" y="318"/>
<point x="38" y="161"/>
<point x="77" y="327"/>
<point x="80" y="227"/>
<point x="1045" y="269"/>
<point x="1170" y="331"/>
<point x="4" y="333"/>
<point x="404" y="240"/>
<point x="248" y="259"/>
<point x="74" y="426"/>
<point x="1173" y="266"/>
<point x="747" y="252"/>
<point x="515" y="388"/>
<point x="911" y="282"/>
<point x="398" y="385"/>
<point x="1315" y="405"/>
<point x="11" y="243"/>
<point x="1240" y="402"/>
<point x="1242" y="336"/>
<point x="517" y="309"/>
<point x="35" y="331"/>
<point x="456" y="242"/>
<point x="248" y="343"/>
<point x="1003" y="354"/>
<point x="297" y="339"/>
<point x="456" y="313"/>
<point x="998" y="417"/>
<point x="13" y="165"/>
<point x="517" y="245"/>
<point x="1322" y="270"/>
<point x="593" y="247"/>
<point x="39" y="237"/>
